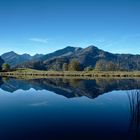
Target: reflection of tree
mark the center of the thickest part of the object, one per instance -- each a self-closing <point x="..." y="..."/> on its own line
<point x="1" y="81"/>
<point x="134" y="100"/>
<point x="74" y="83"/>
<point x="5" y="79"/>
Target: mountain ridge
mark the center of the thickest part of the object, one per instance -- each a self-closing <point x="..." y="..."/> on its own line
<point x="14" y="59"/>
<point x="88" y="56"/>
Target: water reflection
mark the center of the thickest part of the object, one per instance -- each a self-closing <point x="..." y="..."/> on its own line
<point x="134" y="101"/>
<point x="36" y="111"/>
<point x="70" y="87"/>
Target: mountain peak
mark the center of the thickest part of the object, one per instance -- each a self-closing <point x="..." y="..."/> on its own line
<point x="69" y="48"/>
<point x="11" y="52"/>
<point x="92" y="47"/>
<point x="67" y="51"/>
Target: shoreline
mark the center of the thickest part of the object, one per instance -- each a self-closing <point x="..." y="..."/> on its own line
<point x="76" y="74"/>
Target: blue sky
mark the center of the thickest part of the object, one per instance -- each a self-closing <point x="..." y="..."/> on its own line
<point x="43" y="26"/>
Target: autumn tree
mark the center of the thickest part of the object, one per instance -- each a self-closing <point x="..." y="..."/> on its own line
<point x="112" y="66"/>
<point x="65" y="67"/>
<point x="74" y="65"/>
<point x="100" y="65"/>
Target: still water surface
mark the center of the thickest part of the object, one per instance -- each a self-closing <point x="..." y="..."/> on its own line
<point x="49" y="109"/>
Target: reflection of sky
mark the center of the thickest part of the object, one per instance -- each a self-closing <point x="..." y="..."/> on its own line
<point x="107" y="113"/>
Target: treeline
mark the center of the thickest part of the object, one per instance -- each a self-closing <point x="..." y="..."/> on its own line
<point x="103" y="65"/>
<point x="69" y="65"/>
<point x="100" y="65"/>
<point x="58" y="64"/>
<point x="74" y="65"/>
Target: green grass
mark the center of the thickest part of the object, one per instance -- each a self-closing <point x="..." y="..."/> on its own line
<point x="107" y="74"/>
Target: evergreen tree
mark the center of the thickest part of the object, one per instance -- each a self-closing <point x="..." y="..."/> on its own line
<point x="6" y="67"/>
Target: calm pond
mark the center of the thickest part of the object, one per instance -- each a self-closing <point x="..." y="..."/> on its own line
<point x="49" y="109"/>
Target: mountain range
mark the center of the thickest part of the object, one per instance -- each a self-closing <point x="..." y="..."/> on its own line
<point x="14" y="59"/>
<point x="88" y="56"/>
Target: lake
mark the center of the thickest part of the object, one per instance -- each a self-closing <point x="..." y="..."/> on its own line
<point x="52" y="109"/>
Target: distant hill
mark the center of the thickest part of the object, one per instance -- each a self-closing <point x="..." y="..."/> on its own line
<point x="1" y="62"/>
<point x="14" y="59"/>
<point x="68" y="51"/>
<point x="86" y="56"/>
<point x="49" y="61"/>
<point x="90" y="55"/>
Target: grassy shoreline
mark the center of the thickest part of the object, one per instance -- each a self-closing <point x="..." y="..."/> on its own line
<point x="94" y="74"/>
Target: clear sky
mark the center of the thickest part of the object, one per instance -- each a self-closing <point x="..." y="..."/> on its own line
<point x="43" y="26"/>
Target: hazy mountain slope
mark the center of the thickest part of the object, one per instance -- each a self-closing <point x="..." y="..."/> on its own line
<point x="1" y="62"/>
<point x="61" y="53"/>
<point x="14" y="59"/>
<point x="52" y="60"/>
<point x="90" y="55"/>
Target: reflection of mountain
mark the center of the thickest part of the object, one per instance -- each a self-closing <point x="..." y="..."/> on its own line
<point x="71" y="87"/>
<point x="1" y="81"/>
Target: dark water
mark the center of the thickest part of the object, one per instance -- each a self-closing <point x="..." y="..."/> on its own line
<point x="52" y="109"/>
